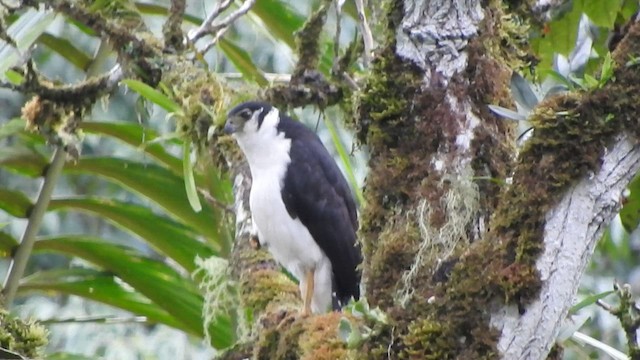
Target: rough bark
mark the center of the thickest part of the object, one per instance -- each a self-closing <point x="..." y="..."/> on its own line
<point x="571" y="232"/>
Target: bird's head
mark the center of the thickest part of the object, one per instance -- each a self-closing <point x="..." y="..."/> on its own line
<point x="247" y="118"/>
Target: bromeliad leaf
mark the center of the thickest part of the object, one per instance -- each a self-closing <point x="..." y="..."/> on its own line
<point x="67" y="50"/>
<point x="153" y="95"/>
<point x="99" y="286"/>
<point x="522" y="92"/>
<point x="189" y="181"/>
<point x="506" y="113"/>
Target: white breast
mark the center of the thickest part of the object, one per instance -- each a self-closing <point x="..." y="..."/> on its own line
<point x="287" y="239"/>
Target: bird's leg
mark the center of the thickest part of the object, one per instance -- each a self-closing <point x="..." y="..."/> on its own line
<point x="308" y="294"/>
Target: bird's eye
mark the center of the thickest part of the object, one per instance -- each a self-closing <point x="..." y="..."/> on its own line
<point x="245" y="114"/>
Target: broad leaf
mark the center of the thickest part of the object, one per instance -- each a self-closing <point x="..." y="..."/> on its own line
<point x="67" y="50"/>
<point x="136" y="136"/>
<point x="279" y="18"/>
<point x="98" y="286"/>
<point x="167" y="236"/>
<point x="153" y="95"/>
<point x="153" y="279"/>
<point x="159" y="185"/>
<point x="242" y="61"/>
<point x="23" y="160"/>
<point x="602" y="12"/>
<point x="630" y="213"/>
<point x="15" y="203"/>
<point x="7" y="244"/>
<point x="522" y="92"/>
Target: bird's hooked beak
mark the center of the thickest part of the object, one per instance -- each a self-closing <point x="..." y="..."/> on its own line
<point x="233" y="124"/>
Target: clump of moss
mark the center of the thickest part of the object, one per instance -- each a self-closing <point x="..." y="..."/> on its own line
<point x="203" y="100"/>
<point x="26" y="338"/>
<point x="278" y="336"/>
<point x="429" y="340"/>
<point x="59" y="123"/>
<point x="263" y="287"/>
<point x="320" y="339"/>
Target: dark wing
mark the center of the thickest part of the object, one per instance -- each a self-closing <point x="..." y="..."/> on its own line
<point x="316" y="192"/>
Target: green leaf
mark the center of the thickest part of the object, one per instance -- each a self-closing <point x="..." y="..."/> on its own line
<point x="25" y="31"/>
<point x="522" y="92"/>
<point x="630" y="213"/>
<point x="15" y="203"/>
<point x="606" y="73"/>
<point x="7" y="244"/>
<point x="153" y="95"/>
<point x="14" y="77"/>
<point x="12" y="127"/>
<point x="161" y="186"/>
<point x="189" y="181"/>
<point x="151" y="9"/>
<point x="98" y="286"/>
<point x="242" y="61"/>
<point x="23" y="160"/>
<point x="602" y="12"/>
<point x="589" y="300"/>
<point x="629" y="8"/>
<point x="154" y="279"/>
<point x="67" y="356"/>
<point x="507" y="113"/>
<point x="137" y="136"/>
<point x="279" y="18"/>
<point x="66" y="49"/>
<point x="165" y="235"/>
<point x="344" y="158"/>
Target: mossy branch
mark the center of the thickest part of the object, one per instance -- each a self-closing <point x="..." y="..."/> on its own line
<point x="172" y="31"/>
<point x="138" y="56"/>
<point x="308" y="86"/>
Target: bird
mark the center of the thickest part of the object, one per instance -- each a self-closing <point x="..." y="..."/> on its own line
<point x="301" y="205"/>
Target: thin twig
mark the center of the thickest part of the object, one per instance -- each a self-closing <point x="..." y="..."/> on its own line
<point x="366" y="33"/>
<point x="221" y="27"/>
<point x="604" y="305"/>
<point x="203" y="29"/>
<point x="16" y="270"/>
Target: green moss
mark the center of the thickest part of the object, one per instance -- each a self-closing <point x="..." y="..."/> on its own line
<point x="262" y="287"/>
<point x="320" y="339"/>
<point x="278" y="336"/>
<point x="429" y="340"/>
<point x="308" y="41"/>
<point x="26" y="338"/>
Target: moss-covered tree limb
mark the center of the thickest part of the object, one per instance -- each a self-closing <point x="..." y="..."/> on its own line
<point x="582" y="155"/>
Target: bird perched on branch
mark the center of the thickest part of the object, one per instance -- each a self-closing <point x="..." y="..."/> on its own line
<point x="301" y="204"/>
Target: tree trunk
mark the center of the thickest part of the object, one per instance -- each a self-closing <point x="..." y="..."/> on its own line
<point x="471" y="251"/>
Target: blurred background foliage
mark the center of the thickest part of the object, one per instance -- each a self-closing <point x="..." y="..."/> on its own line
<point x="114" y="271"/>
